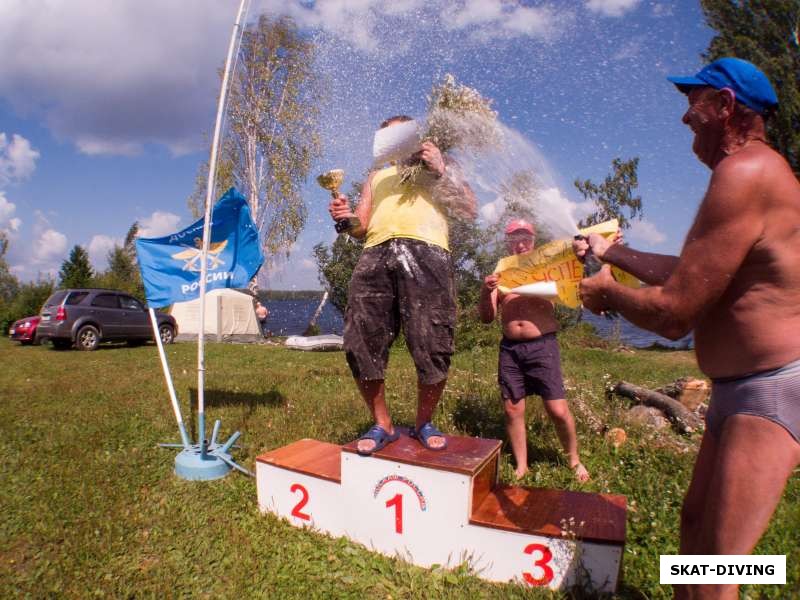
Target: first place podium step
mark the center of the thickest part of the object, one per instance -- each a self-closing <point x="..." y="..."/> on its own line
<point x="446" y="507"/>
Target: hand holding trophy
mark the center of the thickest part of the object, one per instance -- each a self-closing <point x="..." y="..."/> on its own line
<point x="332" y="181"/>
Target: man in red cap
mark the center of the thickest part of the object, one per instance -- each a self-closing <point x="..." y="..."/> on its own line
<point x="529" y="361"/>
<point x="737" y="285"/>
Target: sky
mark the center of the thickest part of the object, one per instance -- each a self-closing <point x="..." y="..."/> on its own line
<point x="106" y="108"/>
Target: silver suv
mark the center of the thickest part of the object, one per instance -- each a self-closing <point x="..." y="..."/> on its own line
<point x="87" y="317"/>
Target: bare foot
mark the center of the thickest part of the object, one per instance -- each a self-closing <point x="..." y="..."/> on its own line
<point x="374" y="439"/>
<point x="429" y="436"/>
<point x="366" y="445"/>
<point x="581" y="474"/>
<point x="520" y="472"/>
<point x="436" y="441"/>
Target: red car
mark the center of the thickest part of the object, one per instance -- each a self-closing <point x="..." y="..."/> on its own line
<point x="24" y="330"/>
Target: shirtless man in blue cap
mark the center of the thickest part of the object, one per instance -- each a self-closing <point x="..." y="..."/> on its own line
<point x="737" y="285"/>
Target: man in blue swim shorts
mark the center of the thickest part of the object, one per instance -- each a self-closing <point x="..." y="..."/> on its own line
<point x="737" y="285"/>
<point x="529" y="359"/>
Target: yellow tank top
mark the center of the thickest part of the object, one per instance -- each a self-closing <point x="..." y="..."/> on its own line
<point x="403" y="211"/>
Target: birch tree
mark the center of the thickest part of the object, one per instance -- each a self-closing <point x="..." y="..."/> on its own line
<point x="615" y="195"/>
<point x="272" y="135"/>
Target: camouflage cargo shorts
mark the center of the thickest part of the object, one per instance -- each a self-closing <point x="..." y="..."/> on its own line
<point x="401" y="283"/>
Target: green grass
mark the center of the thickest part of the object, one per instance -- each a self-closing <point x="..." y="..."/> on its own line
<point x="90" y="506"/>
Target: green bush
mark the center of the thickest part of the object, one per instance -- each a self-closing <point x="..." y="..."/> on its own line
<point x="567" y="317"/>
<point x="471" y="333"/>
<point x="26" y="303"/>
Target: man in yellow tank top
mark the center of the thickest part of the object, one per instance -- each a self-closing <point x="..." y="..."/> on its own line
<point x="404" y="277"/>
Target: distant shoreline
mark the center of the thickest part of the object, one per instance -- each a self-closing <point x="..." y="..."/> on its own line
<point x="290" y="294"/>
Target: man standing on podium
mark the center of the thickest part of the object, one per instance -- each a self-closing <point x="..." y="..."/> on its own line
<point x="404" y="277"/>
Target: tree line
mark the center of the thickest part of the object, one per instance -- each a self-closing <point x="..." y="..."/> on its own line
<point x="22" y="299"/>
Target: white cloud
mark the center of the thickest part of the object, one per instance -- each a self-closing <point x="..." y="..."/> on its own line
<point x="37" y="253"/>
<point x="158" y="224"/>
<point x="630" y="49"/>
<point x="611" y="8"/>
<point x="294" y="273"/>
<point x="401" y="7"/>
<point x="497" y="19"/>
<point x="7" y="210"/>
<point x="552" y="209"/>
<point x="99" y="247"/>
<point x="474" y="12"/>
<point x="663" y="10"/>
<point x="531" y="21"/>
<point x="373" y="25"/>
<point x="113" y="76"/>
<point x="17" y="159"/>
<point x="647" y="232"/>
<point x="51" y="245"/>
<point x="9" y="224"/>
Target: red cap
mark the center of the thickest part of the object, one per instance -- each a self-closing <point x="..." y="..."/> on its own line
<point x="519" y="225"/>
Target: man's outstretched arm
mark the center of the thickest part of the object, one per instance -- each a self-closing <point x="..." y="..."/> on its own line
<point x="728" y="223"/>
<point x="651" y="268"/>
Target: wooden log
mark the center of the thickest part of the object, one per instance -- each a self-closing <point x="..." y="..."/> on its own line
<point x="684" y="420"/>
<point x="689" y="391"/>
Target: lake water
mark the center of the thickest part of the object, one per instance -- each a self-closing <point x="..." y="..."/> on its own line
<point x="291" y="317"/>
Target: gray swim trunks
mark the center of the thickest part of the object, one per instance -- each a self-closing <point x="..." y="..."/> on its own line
<point x="772" y="395"/>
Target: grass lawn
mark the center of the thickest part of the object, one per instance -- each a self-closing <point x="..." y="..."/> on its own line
<point x="90" y="506"/>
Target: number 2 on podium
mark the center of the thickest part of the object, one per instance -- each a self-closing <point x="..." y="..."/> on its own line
<point x="296" y="512"/>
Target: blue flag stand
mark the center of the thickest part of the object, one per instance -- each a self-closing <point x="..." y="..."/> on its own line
<point x="207" y="459"/>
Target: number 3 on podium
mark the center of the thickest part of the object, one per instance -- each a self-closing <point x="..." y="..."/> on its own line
<point x="547" y="572"/>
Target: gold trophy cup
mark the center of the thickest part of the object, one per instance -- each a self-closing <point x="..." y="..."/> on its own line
<point x="332" y="181"/>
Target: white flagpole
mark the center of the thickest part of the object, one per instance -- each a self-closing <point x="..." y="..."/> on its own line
<point x="212" y="167"/>
<point x="172" y="396"/>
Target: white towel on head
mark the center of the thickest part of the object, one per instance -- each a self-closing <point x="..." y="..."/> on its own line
<point x="395" y="142"/>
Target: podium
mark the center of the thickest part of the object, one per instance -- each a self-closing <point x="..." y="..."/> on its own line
<point x="446" y="507"/>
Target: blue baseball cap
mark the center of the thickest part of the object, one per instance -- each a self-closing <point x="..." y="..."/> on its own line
<point x="751" y="86"/>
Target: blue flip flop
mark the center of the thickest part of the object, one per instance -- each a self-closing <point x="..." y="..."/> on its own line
<point x="380" y="436"/>
<point x="427" y="431"/>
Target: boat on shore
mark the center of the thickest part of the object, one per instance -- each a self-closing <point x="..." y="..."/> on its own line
<point x="316" y="343"/>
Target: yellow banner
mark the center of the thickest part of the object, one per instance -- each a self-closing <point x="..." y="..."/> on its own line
<point x="557" y="262"/>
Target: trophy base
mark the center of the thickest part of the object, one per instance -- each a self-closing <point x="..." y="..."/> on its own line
<point x="347" y="225"/>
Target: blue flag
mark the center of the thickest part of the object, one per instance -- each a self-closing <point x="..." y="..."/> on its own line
<point x="170" y="265"/>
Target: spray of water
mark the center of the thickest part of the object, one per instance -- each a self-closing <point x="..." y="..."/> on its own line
<point x="498" y="163"/>
<point x="515" y="167"/>
<point x="381" y="59"/>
